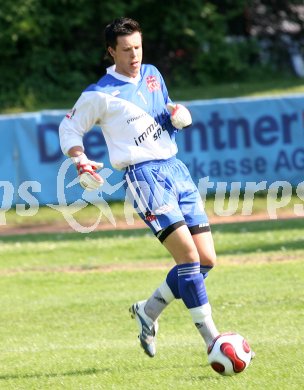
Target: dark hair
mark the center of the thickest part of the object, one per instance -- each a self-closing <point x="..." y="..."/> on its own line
<point x="118" y="27"/>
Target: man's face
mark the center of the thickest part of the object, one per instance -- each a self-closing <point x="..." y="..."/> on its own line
<point x="128" y="54"/>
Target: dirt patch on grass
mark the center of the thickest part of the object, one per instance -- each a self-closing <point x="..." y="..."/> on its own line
<point x="259" y="258"/>
<point x="64" y="227"/>
<point x="103" y="268"/>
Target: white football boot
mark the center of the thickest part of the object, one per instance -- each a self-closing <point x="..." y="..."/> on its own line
<point x="147" y="328"/>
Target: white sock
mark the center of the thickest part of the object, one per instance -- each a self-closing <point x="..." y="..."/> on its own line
<point x="158" y="301"/>
<point x="203" y="320"/>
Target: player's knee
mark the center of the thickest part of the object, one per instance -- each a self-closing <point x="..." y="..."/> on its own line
<point x="208" y="259"/>
<point x="189" y="255"/>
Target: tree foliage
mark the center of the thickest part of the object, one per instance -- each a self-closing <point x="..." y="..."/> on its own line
<point x="50" y="48"/>
<point x="278" y="26"/>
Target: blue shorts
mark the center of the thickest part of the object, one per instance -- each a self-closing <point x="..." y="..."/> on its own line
<point x="165" y="196"/>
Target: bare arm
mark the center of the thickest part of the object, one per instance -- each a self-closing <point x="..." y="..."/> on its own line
<point x="75" y="151"/>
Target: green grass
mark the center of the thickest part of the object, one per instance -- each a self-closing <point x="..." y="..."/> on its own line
<point x="260" y="85"/>
<point x="65" y="298"/>
<point x="257" y="87"/>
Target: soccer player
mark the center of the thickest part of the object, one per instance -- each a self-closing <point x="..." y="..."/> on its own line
<point x="139" y="122"/>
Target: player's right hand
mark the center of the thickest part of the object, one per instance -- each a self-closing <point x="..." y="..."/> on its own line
<point x="89" y="179"/>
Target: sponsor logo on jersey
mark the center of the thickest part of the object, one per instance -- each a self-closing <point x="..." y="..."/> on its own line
<point x="135" y="118"/>
<point x="152" y="83"/>
<point x="154" y="129"/>
<point x="71" y="113"/>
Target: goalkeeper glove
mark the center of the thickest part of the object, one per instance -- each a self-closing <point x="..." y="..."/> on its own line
<point x="180" y="115"/>
<point x="88" y="178"/>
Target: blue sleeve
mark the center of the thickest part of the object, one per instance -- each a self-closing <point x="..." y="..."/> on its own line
<point x="170" y="128"/>
<point x="164" y="89"/>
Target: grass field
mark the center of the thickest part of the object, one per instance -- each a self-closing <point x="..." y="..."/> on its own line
<point x="65" y="322"/>
<point x="259" y="85"/>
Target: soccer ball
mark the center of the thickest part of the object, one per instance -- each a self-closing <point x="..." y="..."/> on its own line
<point x="229" y="354"/>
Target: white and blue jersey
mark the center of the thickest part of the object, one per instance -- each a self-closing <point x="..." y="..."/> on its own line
<point x="140" y="138"/>
<point x="132" y="114"/>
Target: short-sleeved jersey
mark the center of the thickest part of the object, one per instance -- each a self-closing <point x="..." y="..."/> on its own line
<point x="132" y="114"/>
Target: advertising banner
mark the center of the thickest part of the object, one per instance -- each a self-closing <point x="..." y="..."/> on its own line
<point x="250" y="141"/>
<point x="244" y="140"/>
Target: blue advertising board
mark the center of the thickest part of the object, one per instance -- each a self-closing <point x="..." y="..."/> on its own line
<point x="244" y="140"/>
<point x="231" y="140"/>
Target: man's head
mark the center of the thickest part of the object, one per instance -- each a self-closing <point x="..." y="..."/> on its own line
<point x="124" y="44"/>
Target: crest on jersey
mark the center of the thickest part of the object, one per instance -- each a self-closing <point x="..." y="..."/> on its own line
<point x="150" y="217"/>
<point x="152" y="83"/>
<point x="71" y="113"/>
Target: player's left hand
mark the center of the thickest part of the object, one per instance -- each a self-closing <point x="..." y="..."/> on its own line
<point x="180" y="115"/>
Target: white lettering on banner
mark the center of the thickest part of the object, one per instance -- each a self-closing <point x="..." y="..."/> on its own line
<point x="251" y="189"/>
<point x="21" y="209"/>
<point x="233" y="200"/>
<point x="299" y="208"/>
<point x="257" y="140"/>
<point x="7" y="200"/>
<point x="274" y="201"/>
<point x="68" y="210"/>
<point x="29" y="198"/>
<point x="278" y="195"/>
